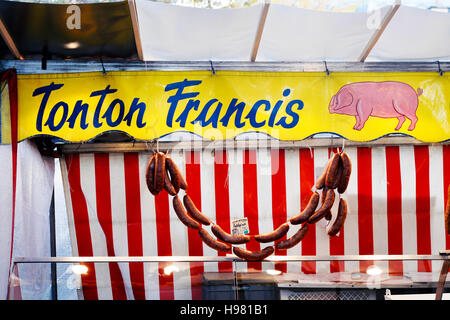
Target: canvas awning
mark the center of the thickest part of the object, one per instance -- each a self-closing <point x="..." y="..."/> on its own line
<point x="154" y="31"/>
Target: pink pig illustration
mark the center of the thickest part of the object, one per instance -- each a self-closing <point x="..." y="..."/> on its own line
<point x="386" y="99"/>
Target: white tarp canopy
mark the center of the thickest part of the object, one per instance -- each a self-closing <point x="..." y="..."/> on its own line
<point x="415" y="34"/>
<point x="273" y="32"/>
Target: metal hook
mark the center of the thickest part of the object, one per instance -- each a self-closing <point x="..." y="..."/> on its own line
<point x="439" y="68"/>
<point x="212" y="67"/>
<point x="311" y="153"/>
<point x="326" y="68"/>
<point x="151" y="146"/>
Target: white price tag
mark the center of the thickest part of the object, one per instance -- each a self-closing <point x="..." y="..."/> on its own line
<point x="239" y="227"/>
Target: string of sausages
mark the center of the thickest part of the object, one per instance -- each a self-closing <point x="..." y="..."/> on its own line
<point x="162" y="173"/>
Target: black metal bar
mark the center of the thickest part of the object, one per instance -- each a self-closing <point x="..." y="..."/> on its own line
<point x="212" y="67"/>
<point x="326" y="68"/>
<point x="103" y="66"/>
<point x="53" y="271"/>
<point x="441" y="73"/>
<point x="77" y="66"/>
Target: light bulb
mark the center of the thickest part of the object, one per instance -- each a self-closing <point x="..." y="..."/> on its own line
<point x="79" y="269"/>
<point x="273" y="272"/>
<point x="170" y="269"/>
<point x="373" y="270"/>
<point x="72" y="45"/>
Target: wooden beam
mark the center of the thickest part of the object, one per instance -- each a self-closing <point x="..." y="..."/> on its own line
<point x="135" y="23"/>
<point x="262" y="22"/>
<point x="442" y="278"/>
<point x="374" y="39"/>
<point x="9" y="41"/>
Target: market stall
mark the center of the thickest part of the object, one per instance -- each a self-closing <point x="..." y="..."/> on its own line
<point x="251" y="129"/>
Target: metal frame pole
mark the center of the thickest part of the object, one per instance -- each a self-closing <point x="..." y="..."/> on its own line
<point x="443" y="256"/>
<point x="54" y="290"/>
<point x="229" y="258"/>
<point x="81" y="66"/>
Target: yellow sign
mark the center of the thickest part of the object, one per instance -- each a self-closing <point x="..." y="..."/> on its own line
<point x="287" y="106"/>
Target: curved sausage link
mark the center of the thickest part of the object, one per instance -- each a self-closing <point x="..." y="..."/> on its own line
<point x="160" y="171"/>
<point x="346" y="172"/>
<point x="308" y="211"/>
<point x="168" y="185"/>
<point x="328" y="215"/>
<point x="176" y="177"/>
<point x="274" y="235"/>
<point x="324" y="194"/>
<point x="183" y="216"/>
<point x="150" y="175"/>
<point x="331" y="178"/>
<point x="194" y="212"/>
<point x="294" y="240"/>
<point x="340" y="219"/>
<point x="213" y="243"/>
<point x="253" y="255"/>
<point x="338" y="175"/>
<point x="320" y="183"/>
<point x="323" y="210"/>
<point x="225" y="236"/>
<point x="173" y="177"/>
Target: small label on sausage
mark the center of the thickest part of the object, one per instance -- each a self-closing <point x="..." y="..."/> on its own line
<point x="239" y="227"/>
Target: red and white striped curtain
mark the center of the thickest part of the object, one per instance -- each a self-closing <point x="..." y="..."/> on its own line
<point x="396" y="198"/>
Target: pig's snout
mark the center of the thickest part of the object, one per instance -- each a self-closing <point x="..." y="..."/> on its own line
<point x="332" y="104"/>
